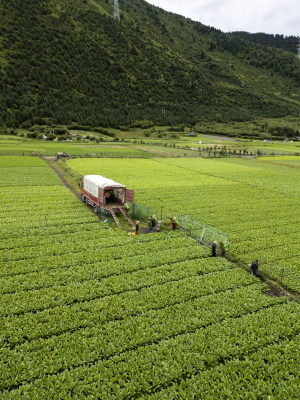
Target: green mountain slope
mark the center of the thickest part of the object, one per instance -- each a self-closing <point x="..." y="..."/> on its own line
<point x="288" y="43"/>
<point x="63" y="62"/>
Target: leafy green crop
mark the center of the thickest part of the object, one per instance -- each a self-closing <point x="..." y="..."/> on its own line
<point x="86" y="313"/>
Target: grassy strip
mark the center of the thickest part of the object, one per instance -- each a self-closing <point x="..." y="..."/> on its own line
<point x="71" y="177"/>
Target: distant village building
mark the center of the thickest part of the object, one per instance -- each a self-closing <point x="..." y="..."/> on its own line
<point x="45" y="137"/>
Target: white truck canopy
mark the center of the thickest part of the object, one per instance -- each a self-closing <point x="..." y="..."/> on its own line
<point x="101" y="182"/>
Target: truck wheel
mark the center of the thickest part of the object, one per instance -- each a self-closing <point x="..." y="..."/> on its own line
<point x="83" y="197"/>
<point x="96" y="209"/>
<point x="86" y="201"/>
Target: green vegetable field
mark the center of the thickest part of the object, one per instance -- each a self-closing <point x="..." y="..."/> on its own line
<point x="88" y="314"/>
<point x="26" y="147"/>
<point x="255" y="201"/>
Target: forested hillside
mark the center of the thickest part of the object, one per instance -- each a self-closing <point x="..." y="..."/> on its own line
<point x="287" y="43"/>
<point x="64" y="62"/>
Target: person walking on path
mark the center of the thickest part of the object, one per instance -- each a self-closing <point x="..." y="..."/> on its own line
<point x="254" y="268"/>
<point x="153" y="222"/>
<point x="137" y="225"/>
<point x="150" y="224"/>
<point x="158" y="225"/>
<point x="214" y="249"/>
<point x="173" y="225"/>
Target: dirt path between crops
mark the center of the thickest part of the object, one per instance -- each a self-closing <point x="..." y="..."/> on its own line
<point x="280" y="291"/>
<point x="52" y="165"/>
<point x="274" y="290"/>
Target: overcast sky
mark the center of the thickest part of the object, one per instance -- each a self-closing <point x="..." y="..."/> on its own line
<point x="269" y="16"/>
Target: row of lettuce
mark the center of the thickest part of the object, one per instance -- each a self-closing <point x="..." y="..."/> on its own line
<point x="88" y="314"/>
<point x="98" y="363"/>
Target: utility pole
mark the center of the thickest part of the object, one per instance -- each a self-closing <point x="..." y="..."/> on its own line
<point x="116" y="10"/>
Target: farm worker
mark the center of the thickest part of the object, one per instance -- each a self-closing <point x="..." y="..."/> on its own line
<point x="254" y="268"/>
<point x="150" y="224"/>
<point x="214" y="249"/>
<point x="153" y="223"/>
<point x="137" y="225"/>
<point x="107" y="196"/>
<point x="112" y="196"/>
<point x="158" y="225"/>
<point x="173" y="225"/>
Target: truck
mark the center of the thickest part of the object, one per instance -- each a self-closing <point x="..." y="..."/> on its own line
<point x="62" y="155"/>
<point x="100" y="192"/>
